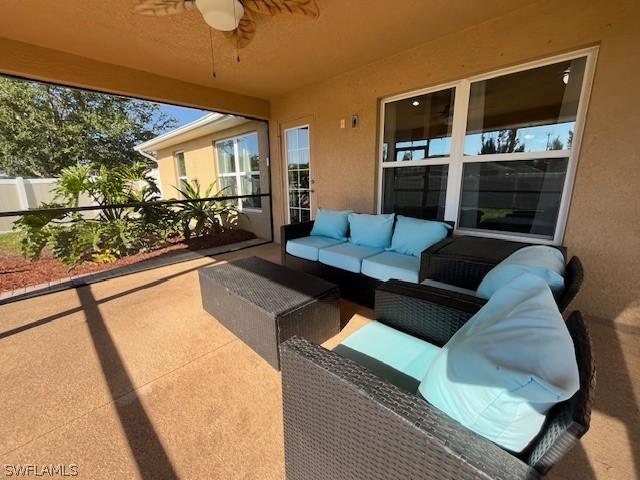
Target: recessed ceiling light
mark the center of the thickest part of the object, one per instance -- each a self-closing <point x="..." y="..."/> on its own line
<point x="415" y="103"/>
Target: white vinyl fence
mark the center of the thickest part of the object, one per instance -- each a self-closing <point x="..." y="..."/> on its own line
<point x="21" y="194"/>
<point x="25" y="193"/>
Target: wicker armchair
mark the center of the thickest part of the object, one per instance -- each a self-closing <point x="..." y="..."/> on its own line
<point x="469" y="275"/>
<point x="343" y="422"/>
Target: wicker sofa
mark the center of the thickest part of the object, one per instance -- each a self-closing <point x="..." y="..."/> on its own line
<point x="356" y="287"/>
<point x="463" y="271"/>
<point x="341" y="421"/>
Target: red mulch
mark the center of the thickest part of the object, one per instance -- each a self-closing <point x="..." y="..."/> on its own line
<point x="17" y="272"/>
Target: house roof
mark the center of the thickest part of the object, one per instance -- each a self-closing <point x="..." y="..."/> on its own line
<point x="208" y="124"/>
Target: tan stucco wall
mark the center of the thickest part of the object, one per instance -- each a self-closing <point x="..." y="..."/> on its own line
<point x="202" y="165"/>
<point x="37" y="63"/>
<point x="603" y="228"/>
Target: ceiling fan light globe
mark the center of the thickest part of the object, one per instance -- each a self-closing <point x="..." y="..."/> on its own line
<point x="222" y="15"/>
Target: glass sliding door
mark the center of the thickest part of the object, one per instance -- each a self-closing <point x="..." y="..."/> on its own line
<point x="298" y="177"/>
<point x="496" y="153"/>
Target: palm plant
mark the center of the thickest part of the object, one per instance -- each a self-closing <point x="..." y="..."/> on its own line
<point x="203" y="217"/>
<point x="115" y="232"/>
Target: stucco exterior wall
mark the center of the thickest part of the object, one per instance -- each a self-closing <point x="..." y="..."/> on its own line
<point x="603" y="227"/>
<point x="201" y="164"/>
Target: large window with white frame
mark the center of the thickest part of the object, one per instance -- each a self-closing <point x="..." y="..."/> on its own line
<point x="239" y="168"/>
<point x="496" y="153"/>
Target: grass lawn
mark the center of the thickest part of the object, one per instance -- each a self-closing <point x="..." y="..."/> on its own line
<point x="10" y="244"/>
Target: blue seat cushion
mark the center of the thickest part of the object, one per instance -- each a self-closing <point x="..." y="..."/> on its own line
<point x="371" y="230"/>
<point x="331" y="223"/>
<point x="540" y="260"/>
<point x="309" y="247"/>
<point x="393" y="355"/>
<point x="411" y="236"/>
<point x="507" y="366"/>
<point x="388" y="265"/>
<point x="445" y="286"/>
<point x="347" y="256"/>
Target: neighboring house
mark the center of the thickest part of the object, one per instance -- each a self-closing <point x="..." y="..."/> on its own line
<point x="229" y="150"/>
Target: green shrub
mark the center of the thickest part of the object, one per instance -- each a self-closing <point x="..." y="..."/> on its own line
<point x="115" y="232"/>
<point x="205" y="217"/>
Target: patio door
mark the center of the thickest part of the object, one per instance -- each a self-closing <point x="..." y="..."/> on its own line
<point x="298" y="173"/>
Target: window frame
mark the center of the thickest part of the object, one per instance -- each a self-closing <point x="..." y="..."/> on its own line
<point x="457" y="159"/>
<point x="237" y="173"/>
<point x="285" y="158"/>
<point x="181" y="178"/>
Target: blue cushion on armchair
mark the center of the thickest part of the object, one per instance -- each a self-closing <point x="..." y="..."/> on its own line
<point x="540" y="260"/>
<point x="507" y="366"/>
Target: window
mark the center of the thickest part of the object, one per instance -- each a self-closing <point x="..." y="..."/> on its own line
<point x="496" y="154"/>
<point x="239" y="169"/>
<point x="181" y="170"/>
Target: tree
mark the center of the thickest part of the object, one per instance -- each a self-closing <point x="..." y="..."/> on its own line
<point x="506" y="141"/>
<point x="46" y="128"/>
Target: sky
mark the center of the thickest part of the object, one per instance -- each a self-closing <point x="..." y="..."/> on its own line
<point x="183" y="115"/>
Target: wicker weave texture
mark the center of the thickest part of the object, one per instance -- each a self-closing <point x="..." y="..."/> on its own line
<point x="462" y="272"/>
<point x="264" y="304"/>
<point x="342" y="422"/>
<point x="410" y="309"/>
<point x="569" y="420"/>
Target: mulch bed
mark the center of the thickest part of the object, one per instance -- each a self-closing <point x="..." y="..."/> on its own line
<point x="17" y="272"/>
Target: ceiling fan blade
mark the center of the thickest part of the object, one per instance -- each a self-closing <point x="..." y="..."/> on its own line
<point x="245" y="32"/>
<point x="307" y="8"/>
<point x="161" y="8"/>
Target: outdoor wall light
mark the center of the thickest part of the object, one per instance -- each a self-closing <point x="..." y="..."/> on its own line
<point x="565" y="76"/>
<point x="222" y="15"/>
<point x="415" y="103"/>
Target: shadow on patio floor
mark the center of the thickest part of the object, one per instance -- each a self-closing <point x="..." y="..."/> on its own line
<point x="150" y="456"/>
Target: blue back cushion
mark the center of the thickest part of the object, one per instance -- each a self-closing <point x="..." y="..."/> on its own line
<point x="371" y="230"/>
<point x="331" y="223"/>
<point x="507" y="366"/>
<point x="540" y="260"/>
<point x="411" y="235"/>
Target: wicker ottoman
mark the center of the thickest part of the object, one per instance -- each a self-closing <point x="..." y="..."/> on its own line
<point x="264" y="304"/>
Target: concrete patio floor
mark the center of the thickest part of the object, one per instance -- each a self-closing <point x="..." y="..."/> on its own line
<point x="130" y="378"/>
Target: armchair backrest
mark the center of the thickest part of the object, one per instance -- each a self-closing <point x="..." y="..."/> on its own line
<point x="568" y="421"/>
<point x="573" y="277"/>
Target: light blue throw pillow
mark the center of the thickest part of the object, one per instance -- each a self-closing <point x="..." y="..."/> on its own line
<point x="331" y="223"/>
<point x="411" y="236"/>
<point x="371" y="230"/>
<point x="540" y="260"/>
<point x="507" y="366"/>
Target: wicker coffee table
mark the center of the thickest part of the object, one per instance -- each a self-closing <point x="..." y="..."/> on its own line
<point x="264" y="304"/>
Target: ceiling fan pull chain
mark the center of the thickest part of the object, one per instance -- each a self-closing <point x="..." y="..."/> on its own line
<point x="213" y="60"/>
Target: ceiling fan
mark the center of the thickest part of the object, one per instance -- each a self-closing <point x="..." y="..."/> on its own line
<point x="236" y="18"/>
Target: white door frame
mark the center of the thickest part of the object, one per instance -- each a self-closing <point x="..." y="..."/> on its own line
<point x="285" y="151"/>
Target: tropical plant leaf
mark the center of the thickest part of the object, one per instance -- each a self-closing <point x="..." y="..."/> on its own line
<point x="307" y="8"/>
<point x="161" y="8"/>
